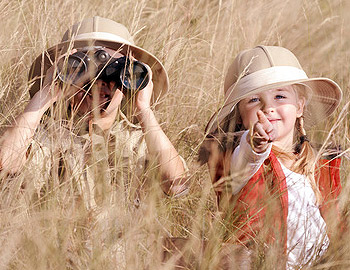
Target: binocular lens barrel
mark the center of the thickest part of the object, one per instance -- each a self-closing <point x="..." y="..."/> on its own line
<point x="128" y="74"/>
<point x="72" y="67"/>
<point x="134" y="76"/>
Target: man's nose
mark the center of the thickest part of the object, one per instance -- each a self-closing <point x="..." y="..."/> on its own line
<point x="104" y="86"/>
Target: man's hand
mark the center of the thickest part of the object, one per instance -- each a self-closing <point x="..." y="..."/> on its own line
<point x="53" y="89"/>
<point x="143" y="97"/>
<point x="171" y="166"/>
<point x="106" y="119"/>
<point x="261" y="133"/>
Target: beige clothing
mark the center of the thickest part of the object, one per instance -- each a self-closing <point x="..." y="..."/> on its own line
<point x="96" y="164"/>
<point x="107" y="172"/>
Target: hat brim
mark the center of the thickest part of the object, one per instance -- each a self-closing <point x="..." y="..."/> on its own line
<point x="45" y="60"/>
<point x="324" y="99"/>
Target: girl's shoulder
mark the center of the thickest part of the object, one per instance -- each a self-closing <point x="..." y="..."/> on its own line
<point x="330" y="152"/>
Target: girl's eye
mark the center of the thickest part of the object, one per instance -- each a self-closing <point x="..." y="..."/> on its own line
<point x="252" y="100"/>
<point x="280" y="97"/>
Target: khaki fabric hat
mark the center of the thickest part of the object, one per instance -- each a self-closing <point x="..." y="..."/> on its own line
<point x="97" y="31"/>
<point x="270" y="67"/>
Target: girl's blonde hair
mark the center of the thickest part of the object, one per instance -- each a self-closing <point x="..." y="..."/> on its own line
<point x="304" y="157"/>
<point x="304" y="153"/>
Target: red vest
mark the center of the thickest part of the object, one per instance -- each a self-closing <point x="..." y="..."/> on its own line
<point x="264" y="200"/>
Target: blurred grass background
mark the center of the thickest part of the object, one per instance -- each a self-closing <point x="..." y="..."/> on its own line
<point x="196" y="41"/>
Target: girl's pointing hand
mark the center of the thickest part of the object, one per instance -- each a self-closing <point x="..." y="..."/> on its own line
<point x="261" y="133"/>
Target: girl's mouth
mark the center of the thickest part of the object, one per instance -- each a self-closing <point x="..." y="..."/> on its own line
<point x="273" y="120"/>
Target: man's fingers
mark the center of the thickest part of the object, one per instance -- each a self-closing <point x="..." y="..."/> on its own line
<point x="115" y="102"/>
<point x="107" y="118"/>
<point x="149" y="71"/>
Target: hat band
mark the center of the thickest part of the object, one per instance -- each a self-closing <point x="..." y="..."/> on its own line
<point x="102" y="36"/>
<point x="264" y="77"/>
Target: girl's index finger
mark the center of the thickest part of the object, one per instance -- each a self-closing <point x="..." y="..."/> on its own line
<point x="266" y="125"/>
<point x="261" y="117"/>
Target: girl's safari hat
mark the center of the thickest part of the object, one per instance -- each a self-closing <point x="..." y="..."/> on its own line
<point x="270" y="67"/>
<point x="97" y="31"/>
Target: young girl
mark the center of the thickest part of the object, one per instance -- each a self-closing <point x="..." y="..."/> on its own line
<point x="265" y="173"/>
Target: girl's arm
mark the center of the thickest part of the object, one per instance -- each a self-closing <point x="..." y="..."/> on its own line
<point x="171" y="166"/>
<point x="255" y="146"/>
<point x="245" y="162"/>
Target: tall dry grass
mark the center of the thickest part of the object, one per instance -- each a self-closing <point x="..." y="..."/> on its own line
<point x="196" y="41"/>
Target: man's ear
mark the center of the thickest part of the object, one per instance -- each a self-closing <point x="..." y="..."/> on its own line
<point x="300" y="106"/>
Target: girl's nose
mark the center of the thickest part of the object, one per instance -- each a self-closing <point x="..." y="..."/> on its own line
<point x="267" y="107"/>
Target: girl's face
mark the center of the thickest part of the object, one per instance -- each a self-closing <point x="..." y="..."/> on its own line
<point x="281" y="107"/>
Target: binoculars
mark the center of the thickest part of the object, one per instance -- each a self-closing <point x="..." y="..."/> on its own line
<point x="128" y="74"/>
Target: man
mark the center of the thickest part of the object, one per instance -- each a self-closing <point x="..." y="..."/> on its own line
<point x="78" y="89"/>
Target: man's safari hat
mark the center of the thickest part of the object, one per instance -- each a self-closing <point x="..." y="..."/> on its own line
<point x="97" y="31"/>
<point x="271" y="67"/>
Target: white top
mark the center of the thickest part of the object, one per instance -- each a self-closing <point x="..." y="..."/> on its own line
<point x="306" y="229"/>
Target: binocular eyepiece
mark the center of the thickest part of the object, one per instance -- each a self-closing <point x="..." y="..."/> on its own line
<point x="128" y="74"/>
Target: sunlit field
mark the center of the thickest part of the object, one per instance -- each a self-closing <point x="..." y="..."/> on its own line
<point x="196" y="40"/>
